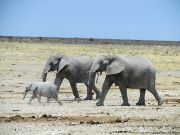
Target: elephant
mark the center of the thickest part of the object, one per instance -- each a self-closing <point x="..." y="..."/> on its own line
<point x="74" y="69"/>
<point x="46" y="89"/>
<point x="135" y="72"/>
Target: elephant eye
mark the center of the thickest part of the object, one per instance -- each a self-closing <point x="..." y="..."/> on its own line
<point x="105" y="62"/>
<point x="55" y="62"/>
<point x="101" y="63"/>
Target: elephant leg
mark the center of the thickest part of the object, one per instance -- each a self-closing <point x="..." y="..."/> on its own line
<point x="32" y="97"/>
<point x="105" y="88"/>
<point x="96" y="91"/>
<point x="87" y="88"/>
<point x="75" y="91"/>
<point x="141" y="101"/>
<point x="38" y="98"/>
<point x="87" y="91"/>
<point x="156" y="95"/>
<point x="124" y="96"/>
<point x="57" y="100"/>
<point x="58" y="81"/>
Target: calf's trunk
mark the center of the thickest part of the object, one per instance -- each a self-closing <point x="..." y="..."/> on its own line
<point x="24" y="94"/>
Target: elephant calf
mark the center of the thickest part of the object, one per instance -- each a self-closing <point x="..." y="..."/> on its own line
<point x="45" y="89"/>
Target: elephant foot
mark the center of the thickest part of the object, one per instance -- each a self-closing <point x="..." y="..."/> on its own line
<point x="140" y="104"/>
<point x="125" y="104"/>
<point x="60" y="103"/>
<point x="97" y="97"/>
<point x="77" y="99"/>
<point x="99" y="104"/>
<point x="88" y="98"/>
<point x="160" y="101"/>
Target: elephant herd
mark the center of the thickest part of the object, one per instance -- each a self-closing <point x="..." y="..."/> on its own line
<point x="125" y="72"/>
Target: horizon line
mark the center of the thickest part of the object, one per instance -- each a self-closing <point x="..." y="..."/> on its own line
<point x="56" y="37"/>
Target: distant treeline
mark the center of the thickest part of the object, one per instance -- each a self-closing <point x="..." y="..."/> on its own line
<point x="92" y="41"/>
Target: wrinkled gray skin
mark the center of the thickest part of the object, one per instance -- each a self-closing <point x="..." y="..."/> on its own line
<point x="125" y="72"/>
<point x="45" y="89"/>
<point x="75" y="69"/>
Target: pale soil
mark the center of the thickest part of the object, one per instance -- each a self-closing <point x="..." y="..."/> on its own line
<point x="18" y="117"/>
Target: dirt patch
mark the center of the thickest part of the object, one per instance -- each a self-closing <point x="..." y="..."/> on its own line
<point x="75" y="119"/>
<point x="171" y="100"/>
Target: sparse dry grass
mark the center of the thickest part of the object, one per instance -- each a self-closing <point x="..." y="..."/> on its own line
<point x="163" y="57"/>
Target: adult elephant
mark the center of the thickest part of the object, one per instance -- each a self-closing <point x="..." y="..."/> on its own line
<point x="126" y="72"/>
<point x="75" y="69"/>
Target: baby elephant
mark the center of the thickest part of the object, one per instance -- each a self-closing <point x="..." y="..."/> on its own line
<point x="45" y="89"/>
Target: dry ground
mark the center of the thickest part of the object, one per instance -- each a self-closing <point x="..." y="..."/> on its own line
<point x="23" y="62"/>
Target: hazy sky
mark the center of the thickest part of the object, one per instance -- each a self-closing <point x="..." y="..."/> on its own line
<point x="120" y="19"/>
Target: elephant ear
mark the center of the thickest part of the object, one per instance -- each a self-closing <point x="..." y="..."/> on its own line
<point x="63" y="63"/>
<point x="114" y="68"/>
<point x="55" y="61"/>
<point x="34" y="87"/>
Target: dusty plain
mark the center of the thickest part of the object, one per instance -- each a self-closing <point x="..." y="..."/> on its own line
<point x="23" y="62"/>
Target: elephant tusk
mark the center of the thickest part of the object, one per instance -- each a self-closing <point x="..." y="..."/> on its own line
<point x="90" y="71"/>
<point x="97" y="76"/>
<point x="101" y="73"/>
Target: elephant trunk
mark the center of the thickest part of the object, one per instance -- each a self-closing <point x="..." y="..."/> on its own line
<point x="46" y="69"/>
<point x="92" y="76"/>
<point x="24" y="94"/>
<point x="44" y="75"/>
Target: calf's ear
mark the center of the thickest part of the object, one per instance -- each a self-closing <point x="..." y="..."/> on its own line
<point x="34" y="87"/>
<point x="114" y="68"/>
